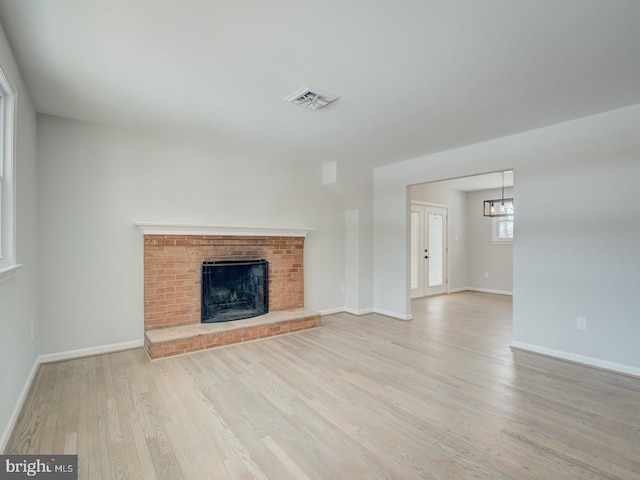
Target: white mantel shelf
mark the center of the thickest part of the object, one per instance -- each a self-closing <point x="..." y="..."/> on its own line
<point x="149" y="228"/>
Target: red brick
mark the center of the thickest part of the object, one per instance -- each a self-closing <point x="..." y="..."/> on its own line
<point x="172" y="270"/>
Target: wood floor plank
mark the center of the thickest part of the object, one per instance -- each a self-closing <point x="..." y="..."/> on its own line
<point x="440" y="397"/>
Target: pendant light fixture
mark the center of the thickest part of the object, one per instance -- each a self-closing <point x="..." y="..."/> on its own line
<point x="500" y="207"/>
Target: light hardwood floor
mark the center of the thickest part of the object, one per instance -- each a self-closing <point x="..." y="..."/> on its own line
<point x="439" y="397"/>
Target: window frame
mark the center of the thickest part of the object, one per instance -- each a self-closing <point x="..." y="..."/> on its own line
<point x="495" y="235"/>
<point x="8" y="258"/>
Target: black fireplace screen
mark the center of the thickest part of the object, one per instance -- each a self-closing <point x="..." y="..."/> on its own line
<point x="232" y="290"/>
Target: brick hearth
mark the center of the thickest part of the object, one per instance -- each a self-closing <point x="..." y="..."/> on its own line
<point x="166" y="342"/>
<point x="172" y="266"/>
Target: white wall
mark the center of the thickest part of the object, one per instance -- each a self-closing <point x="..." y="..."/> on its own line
<point x="354" y="187"/>
<point x="577" y="232"/>
<point x="95" y="182"/>
<point x="18" y="296"/>
<point x="496" y="259"/>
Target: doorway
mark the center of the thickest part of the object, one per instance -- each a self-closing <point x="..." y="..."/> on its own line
<point x="473" y="259"/>
<point x="429" y="248"/>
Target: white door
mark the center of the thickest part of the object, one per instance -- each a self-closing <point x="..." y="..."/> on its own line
<point x="428" y="250"/>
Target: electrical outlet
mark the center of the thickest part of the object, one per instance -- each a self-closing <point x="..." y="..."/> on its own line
<point x="342" y="287"/>
<point x="581" y="323"/>
<point x="486" y="274"/>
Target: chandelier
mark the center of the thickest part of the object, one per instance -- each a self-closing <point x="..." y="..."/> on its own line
<point x="499" y="207"/>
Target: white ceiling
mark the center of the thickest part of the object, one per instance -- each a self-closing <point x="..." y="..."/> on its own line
<point x="414" y="76"/>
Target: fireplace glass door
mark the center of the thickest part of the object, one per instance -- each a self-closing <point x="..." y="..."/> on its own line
<point x="233" y="290"/>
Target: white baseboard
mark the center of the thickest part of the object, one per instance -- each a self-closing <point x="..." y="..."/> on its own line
<point x="482" y="290"/>
<point x="331" y="311"/>
<point x="393" y="314"/>
<point x="365" y="311"/>
<point x="572" y="357"/>
<point x="358" y="312"/>
<point x="18" y="407"/>
<point x="352" y="311"/>
<point x="86" y="352"/>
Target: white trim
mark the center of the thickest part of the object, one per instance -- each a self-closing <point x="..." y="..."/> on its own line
<point x="366" y="311"/>
<point x="458" y="290"/>
<point x="331" y="311"/>
<point x="353" y="311"/>
<point x="430" y="204"/>
<point x="9" y="111"/>
<point x="8" y="273"/>
<point x="388" y="313"/>
<point x="575" y="358"/>
<point x="481" y="290"/>
<point x="86" y="352"/>
<point x="149" y="228"/>
<point x="13" y="418"/>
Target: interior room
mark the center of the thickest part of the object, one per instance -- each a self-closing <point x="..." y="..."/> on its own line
<point x="474" y="255"/>
<point x="142" y="140"/>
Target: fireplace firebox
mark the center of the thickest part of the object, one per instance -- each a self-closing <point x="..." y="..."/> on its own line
<point x="233" y="290"/>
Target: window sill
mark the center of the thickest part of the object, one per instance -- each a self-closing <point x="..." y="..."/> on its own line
<point x="502" y="242"/>
<point x="8" y="273"/>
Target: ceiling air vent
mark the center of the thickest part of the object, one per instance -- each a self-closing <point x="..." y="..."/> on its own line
<point x="311" y="98"/>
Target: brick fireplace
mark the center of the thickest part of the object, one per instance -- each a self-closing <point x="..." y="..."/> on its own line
<point x="173" y="256"/>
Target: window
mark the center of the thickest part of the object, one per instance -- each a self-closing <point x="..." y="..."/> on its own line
<point x="503" y="227"/>
<point x="7" y="217"/>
